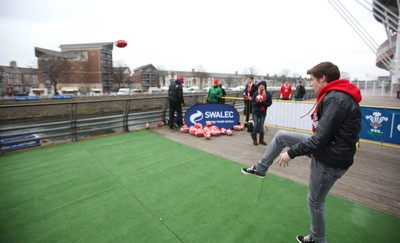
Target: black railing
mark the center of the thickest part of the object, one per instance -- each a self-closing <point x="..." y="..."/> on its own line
<point x="56" y="121"/>
<point x="74" y="120"/>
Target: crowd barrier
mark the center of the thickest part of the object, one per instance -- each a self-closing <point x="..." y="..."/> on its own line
<point x="379" y="124"/>
<point x="74" y="120"/>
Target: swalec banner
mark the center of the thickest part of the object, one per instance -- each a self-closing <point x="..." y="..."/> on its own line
<point x="221" y="115"/>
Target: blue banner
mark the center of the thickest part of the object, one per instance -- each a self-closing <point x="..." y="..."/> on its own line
<point x="19" y="144"/>
<point x="19" y="98"/>
<point x="221" y="115"/>
<point x="380" y="124"/>
<point x="60" y="97"/>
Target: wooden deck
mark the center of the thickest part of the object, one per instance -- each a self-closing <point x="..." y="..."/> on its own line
<point x="373" y="180"/>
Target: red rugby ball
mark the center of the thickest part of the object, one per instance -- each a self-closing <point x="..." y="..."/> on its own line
<point x="259" y="98"/>
<point x="121" y="43"/>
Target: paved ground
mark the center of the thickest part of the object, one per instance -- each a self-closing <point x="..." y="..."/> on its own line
<point x="381" y="101"/>
<point x="373" y="180"/>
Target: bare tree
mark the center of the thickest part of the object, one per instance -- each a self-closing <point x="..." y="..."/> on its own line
<point x="32" y="64"/>
<point x="56" y="69"/>
<point x="201" y="74"/>
<point x="161" y="67"/>
<point x="285" y="73"/>
<point x="344" y="74"/>
<point x="32" y="80"/>
<point x="84" y="65"/>
<point x="250" y="71"/>
<point x="119" y="74"/>
<point x="229" y="81"/>
<point x="296" y="75"/>
<point x="276" y="80"/>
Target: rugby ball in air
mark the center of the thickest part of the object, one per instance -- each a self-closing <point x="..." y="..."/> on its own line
<point x="121" y="43"/>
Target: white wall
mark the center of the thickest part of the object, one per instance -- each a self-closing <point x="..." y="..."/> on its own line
<point x="288" y="114"/>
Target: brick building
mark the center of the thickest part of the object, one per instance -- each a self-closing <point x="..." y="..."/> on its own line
<point x="146" y="76"/>
<point x="16" y="81"/>
<point x="78" y="67"/>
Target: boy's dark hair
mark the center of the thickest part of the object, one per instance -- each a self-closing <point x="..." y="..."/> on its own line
<point x="327" y="69"/>
<point x="251" y="77"/>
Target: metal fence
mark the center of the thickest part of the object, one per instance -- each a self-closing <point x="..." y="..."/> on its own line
<point x="29" y="124"/>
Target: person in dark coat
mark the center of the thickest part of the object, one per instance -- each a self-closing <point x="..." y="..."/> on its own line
<point x="175" y="98"/>
<point x="300" y="92"/>
<point x="221" y="100"/>
<point x="260" y="107"/>
<point x="248" y="92"/>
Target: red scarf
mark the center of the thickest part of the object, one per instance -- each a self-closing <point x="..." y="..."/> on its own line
<point x="342" y="85"/>
<point x="249" y="89"/>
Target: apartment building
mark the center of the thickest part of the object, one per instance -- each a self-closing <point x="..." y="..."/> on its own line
<point x="80" y="67"/>
<point x="16" y="81"/>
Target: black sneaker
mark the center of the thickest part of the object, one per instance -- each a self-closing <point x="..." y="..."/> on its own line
<point x="252" y="171"/>
<point x="302" y="239"/>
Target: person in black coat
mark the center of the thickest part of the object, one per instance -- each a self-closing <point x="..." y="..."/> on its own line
<point x="175" y="98"/>
<point x="248" y="92"/>
<point x="221" y="100"/>
<point x="300" y="92"/>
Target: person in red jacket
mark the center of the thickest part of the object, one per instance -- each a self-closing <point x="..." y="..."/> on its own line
<point x="286" y="91"/>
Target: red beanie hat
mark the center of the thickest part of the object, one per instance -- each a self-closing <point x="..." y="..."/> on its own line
<point x="216" y="82"/>
<point x="180" y="78"/>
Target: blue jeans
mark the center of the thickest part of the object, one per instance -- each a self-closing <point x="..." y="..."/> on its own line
<point x="258" y="123"/>
<point x="281" y="140"/>
<point x="321" y="179"/>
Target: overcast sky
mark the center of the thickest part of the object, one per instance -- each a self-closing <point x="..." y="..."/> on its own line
<point x="221" y="36"/>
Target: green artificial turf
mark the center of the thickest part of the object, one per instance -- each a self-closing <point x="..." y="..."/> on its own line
<point x="141" y="187"/>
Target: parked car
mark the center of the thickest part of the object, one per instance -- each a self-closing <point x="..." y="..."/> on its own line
<point x="164" y="89"/>
<point x="205" y="89"/>
<point x="194" y="89"/>
<point x="123" y="91"/>
<point x="96" y="92"/>
<point x="128" y="91"/>
<point x="155" y="90"/>
<point x="237" y="88"/>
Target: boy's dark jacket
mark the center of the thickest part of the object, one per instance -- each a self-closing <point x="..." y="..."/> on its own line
<point x="339" y="123"/>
